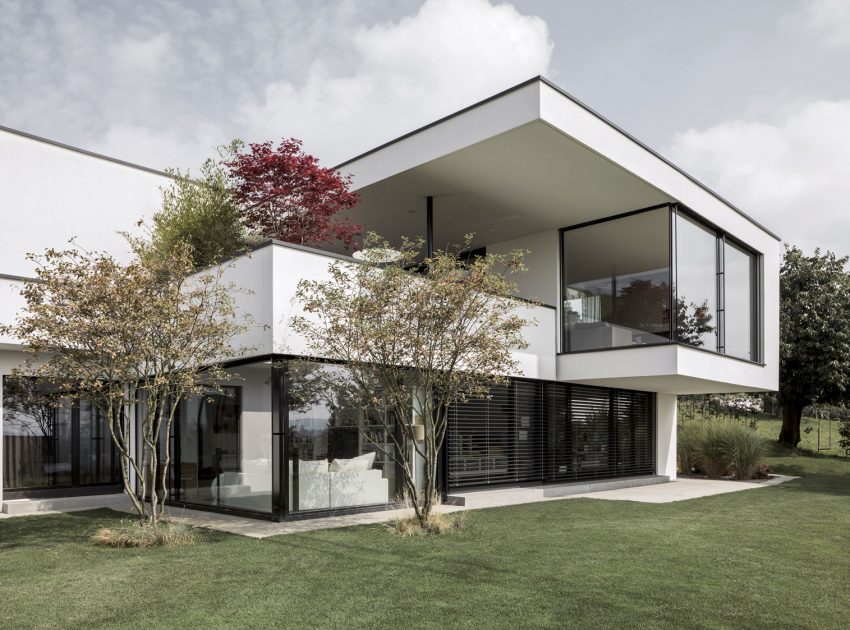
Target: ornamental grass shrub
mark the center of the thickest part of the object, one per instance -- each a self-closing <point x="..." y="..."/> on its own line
<point x="688" y="441"/>
<point x="720" y="449"/>
<point x="132" y="533"/>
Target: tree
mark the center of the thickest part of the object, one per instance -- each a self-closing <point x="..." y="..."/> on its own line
<point x="142" y="336"/>
<point x="814" y="341"/>
<point x="415" y="337"/>
<point x="201" y="213"/>
<point x="692" y="322"/>
<point x="284" y="194"/>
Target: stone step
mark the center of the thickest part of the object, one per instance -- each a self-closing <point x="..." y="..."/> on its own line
<point x="18" y="507"/>
<point x="510" y="495"/>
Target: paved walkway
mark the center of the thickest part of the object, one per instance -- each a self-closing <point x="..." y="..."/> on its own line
<point x="682" y="490"/>
<point x="678" y="490"/>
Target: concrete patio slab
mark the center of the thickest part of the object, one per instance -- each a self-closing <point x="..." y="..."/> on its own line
<point x="683" y="490"/>
<point x="655" y="492"/>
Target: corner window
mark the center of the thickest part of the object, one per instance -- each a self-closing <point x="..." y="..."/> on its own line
<point x="617" y="282"/>
<point x="658" y="276"/>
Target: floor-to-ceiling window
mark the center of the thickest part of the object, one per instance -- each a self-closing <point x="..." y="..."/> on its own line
<point x="740" y="323"/>
<point x="340" y="455"/>
<point x="696" y="284"/>
<point x="222" y="443"/>
<point x="617" y="282"/>
<point x="53" y="442"/>
<point x="655" y="276"/>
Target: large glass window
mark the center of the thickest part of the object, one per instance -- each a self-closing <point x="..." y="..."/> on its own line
<point x="629" y="281"/>
<point x="696" y="284"/>
<point x="617" y="282"/>
<point x="223" y="444"/>
<point x="52" y="441"/>
<point x="340" y="455"/>
<point x="739" y="296"/>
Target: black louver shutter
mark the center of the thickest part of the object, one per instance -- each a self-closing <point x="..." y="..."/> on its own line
<point x="534" y="431"/>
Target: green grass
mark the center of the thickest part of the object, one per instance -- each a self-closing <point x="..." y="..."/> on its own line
<point x="776" y="557"/>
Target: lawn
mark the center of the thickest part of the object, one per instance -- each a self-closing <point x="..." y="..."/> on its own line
<point x="766" y="558"/>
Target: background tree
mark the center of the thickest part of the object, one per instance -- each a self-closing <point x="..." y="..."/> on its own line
<point x="415" y="342"/>
<point x="814" y="341"/>
<point x="201" y="213"/>
<point x="141" y="336"/>
<point x="284" y="194"/>
<point x="692" y="322"/>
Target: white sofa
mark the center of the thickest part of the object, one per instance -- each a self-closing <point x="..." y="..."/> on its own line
<point x="336" y="484"/>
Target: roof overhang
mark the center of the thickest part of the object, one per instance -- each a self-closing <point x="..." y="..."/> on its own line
<point x="528" y="159"/>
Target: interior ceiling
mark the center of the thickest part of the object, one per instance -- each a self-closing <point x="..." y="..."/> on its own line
<point x="526" y="180"/>
<point x="631" y="245"/>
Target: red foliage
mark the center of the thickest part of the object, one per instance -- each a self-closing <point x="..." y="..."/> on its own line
<point x="285" y="194"/>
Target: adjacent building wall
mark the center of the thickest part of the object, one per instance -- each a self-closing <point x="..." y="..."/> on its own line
<point x="54" y="194"/>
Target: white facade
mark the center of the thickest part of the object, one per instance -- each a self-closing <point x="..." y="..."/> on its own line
<point x="515" y="170"/>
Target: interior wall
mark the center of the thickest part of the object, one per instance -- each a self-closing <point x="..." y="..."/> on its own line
<point x="540" y="282"/>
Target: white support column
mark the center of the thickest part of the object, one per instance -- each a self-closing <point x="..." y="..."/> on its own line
<point x="665" y="440"/>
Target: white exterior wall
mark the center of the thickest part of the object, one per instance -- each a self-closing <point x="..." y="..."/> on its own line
<point x="665" y="435"/>
<point x="49" y="194"/>
<point x="292" y="264"/>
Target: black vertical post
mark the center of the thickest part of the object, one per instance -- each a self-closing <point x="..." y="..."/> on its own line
<point x="280" y="469"/>
<point x="429" y="223"/>
<point x="75" y="443"/>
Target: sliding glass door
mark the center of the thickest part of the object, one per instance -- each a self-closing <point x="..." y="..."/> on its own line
<point x="53" y="443"/>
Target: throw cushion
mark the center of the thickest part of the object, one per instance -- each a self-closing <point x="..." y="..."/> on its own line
<point x="359" y="463"/>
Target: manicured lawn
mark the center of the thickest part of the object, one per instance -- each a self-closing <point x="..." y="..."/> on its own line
<point x="769" y="558"/>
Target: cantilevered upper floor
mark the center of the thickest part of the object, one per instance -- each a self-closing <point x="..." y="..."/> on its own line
<point x="658" y="282"/>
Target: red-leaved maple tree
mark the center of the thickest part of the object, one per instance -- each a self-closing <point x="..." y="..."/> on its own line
<point x="284" y="194"/>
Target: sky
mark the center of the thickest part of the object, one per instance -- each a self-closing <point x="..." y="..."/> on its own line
<point x="751" y="97"/>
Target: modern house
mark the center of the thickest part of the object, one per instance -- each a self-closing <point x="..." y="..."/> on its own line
<point x="643" y="284"/>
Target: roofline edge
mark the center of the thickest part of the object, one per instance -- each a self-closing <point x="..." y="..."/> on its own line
<point x="588" y="109"/>
<point x="86" y="152"/>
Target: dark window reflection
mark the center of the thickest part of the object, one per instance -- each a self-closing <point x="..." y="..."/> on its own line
<point x="739" y="330"/>
<point x="39" y="428"/>
<point x="339" y="454"/>
<point x="617" y="282"/>
<point x="696" y="284"/>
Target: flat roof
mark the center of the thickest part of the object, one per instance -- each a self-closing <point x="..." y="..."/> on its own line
<point x="573" y="99"/>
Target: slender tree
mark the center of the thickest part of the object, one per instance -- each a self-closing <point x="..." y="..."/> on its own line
<point x="283" y="193"/>
<point x="140" y="337"/>
<point x="814" y="344"/>
<point x="201" y="213"/>
<point x="415" y="337"/>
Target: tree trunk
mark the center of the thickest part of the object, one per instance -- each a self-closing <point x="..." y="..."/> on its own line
<point x="791" y="414"/>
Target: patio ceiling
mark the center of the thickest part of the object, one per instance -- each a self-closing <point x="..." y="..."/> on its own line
<point x="522" y="181"/>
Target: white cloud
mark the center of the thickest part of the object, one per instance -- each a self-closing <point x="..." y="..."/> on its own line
<point x="162" y="83"/>
<point x="793" y="175"/>
<point x="831" y="20"/>
<point x="448" y="55"/>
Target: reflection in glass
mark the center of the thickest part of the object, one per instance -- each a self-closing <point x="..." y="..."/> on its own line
<point x="99" y="461"/>
<point x="740" y="269"/>
<point x="617" y="282"/>
<point x="224" y="443"/>
<point x="339" y="456"/>
<point x="39" y="429"/>
<point x="696" y="284"/>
